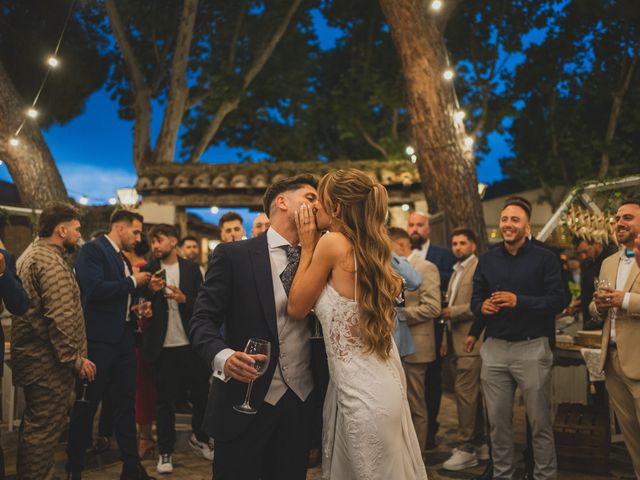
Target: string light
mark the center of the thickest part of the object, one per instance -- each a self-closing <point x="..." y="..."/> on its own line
<point x="14" y="142"/>
<point x="459" y="115"/>
<point x="410" y="150"/>
<point x="214" y="210"/>
<point x="405" y="207"/>
<point x="468" y="142"/>
<point x="32" y="113"/>
<point x="83" y="200"/>
<point x="113" y="201"/>
<point x="436" y="5"/>
<point x="53" y="62"/>
<point x="414" y="158"/>
<point x="448" y="74"/>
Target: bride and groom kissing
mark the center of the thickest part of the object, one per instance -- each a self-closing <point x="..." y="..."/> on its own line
<point x="263" y="288"/>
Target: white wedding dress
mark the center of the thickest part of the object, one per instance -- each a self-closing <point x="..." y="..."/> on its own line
<point x="367" y="430"/>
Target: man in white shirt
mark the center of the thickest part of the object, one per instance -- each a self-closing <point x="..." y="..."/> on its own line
<point x="618" y="305"/>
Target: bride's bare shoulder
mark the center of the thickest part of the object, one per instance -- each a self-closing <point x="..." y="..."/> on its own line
<point x="336" y="241"/>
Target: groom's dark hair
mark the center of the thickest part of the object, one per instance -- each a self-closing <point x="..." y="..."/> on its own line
<point x="286" y="185"/>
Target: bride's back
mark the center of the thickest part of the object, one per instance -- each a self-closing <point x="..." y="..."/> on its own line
<point x="343" y="275"/>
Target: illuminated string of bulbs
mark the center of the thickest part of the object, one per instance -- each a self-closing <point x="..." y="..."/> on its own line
<point x="52" y="62"/>
<point x="448" y="75"/>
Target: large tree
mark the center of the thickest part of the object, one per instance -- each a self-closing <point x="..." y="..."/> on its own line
<point x="29" y="30"/>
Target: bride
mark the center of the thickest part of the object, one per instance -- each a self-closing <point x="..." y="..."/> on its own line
<point x="346" y="276"/>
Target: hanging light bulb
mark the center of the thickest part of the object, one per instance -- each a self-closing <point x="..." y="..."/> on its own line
<point x="113" y="201"/>
<point x="214" y="210"/>
<point x="409" y="150"/>
<point x="32" y="113"/>
<point x="53" y="62"/>
<point x="459" y="115"/>
<point x="83" y="200"/>
<point x="448" y="74"/>
<point x="468" y="142"/>
<point x="414" y="158"/>
<point x="405" y="207"/>
<point x="14" y="142"/>
<point x="436" y="5"/>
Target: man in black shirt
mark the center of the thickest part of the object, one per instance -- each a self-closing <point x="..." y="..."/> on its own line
<point x="517" y="292"/>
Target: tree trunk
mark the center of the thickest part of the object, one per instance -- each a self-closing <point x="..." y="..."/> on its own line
<point x="30" y="163"/>
<point x="447" y="168"/>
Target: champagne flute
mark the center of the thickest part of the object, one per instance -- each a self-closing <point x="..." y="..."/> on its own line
<point x="261" y="352"/>
<point x="445" y="304"/>
<point x="83" y="398"/>
<point x="138" y="309"/>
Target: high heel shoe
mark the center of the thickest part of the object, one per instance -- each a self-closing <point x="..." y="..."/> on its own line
<point x="146" y="446"/>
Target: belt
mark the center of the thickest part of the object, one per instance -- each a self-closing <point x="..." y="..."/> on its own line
<point x="517" y="338"/>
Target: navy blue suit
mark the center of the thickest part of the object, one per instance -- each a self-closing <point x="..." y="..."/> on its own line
<point x="16" y="301"/>
<point x="444" y="260"/>
<point x="105" y="292"/>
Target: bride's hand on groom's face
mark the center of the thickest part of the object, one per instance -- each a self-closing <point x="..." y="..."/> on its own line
<point x="239" y="366"/>
<point x="306" y="224"/>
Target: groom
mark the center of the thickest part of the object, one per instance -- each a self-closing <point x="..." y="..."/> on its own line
<point x="246" y="290"/>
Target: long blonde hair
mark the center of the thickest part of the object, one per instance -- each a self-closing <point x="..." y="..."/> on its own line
<point x="363" y="213"/>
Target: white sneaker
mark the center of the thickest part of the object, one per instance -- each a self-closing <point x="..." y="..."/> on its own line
<point x="483" y="453"/>
<point x="460" y="460"/>
<point x="205" y="449"/>
<point x="165" y="464"/>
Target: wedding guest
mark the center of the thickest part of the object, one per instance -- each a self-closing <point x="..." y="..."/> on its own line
<point x="472" y="441"/>
<point x="591" y="255"/>
<point x="166" y="345"/>
<point x="517" y="291"/>
<point x="231" y="228"/>
<point x="419" y="230"/>
<point x="107" y="282"/>
<point x="190" y="250"/>
<point x="15" y="300"/>
<point x="421" y="309"/>
<point x="618" y="306"/>
<point x="260" y="225"/>
<point x="48" y="342"/>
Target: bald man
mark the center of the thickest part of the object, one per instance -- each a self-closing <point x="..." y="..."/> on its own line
<point x="260" y="225"/>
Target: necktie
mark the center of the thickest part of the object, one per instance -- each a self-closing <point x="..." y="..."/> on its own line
<point x="293" y="258"/>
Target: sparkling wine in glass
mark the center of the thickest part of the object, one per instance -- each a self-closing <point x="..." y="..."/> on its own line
<point x="83" y="397"/>
<point x="260" y="350"/>
<point x="138" y="309"/>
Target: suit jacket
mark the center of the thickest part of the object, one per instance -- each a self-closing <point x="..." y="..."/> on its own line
<point x="627" y="321"/>
<point x="442" y="258"/>
<point x="105" y="290"/>
<point x="421" y="309"/>
<point x="461" y="315"/>
<point x="155" y="330"/>
<point x="12" y="295"/>
<point x="238" y="293"/>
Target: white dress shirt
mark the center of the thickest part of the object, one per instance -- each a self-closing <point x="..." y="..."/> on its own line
<point x="457" y="274"/>
<point x="624" y="268"/>
<point x="127" y="273"/>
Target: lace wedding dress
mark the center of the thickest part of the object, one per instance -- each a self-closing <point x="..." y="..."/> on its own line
<point x="367" y="433"/>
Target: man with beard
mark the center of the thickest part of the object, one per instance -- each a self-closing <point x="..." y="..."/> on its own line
<point x="107" y="283"/>
<point x="419" y="229"/>
<point x="619" y="308"/>
<point x="48" y="342"/>
<point x="190" y="250"/>
<point x="166" y="345"/>
<point x="517" y="291"/>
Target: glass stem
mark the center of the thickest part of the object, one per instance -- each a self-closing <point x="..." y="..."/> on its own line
<point x="246" y="398"/>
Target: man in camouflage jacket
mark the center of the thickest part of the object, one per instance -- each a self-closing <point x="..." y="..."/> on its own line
<point x="48" y="342"/>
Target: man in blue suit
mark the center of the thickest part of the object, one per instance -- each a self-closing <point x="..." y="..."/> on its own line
<point x="107" y="285"/>
<point x="419" y="230"/>
<point x="15" y="299"/>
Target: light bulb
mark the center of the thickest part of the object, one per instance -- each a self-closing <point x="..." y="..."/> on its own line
<point x="214" y="210"/>
<point x="410" y="150"/>
<point x="112" y="201"/>
<point x="468" y="142"/>
<point x="32" y="113"/>
<point x="53" y="62"/>
<point x="14" y="142"/>
<point x="448" y="74"/>
<point x="414" y="158"/>
<point x="83" y="200"/>
<point x="436" y="5"/>
<point x="405" y="207"/>
<point x="459" y="115"/>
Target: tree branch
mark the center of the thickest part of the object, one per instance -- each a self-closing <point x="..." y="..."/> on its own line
<point x="444" y="15"/>
<point x="369" y="139"/>
<point x="233" y="47"/>
<point x="230" y="105"/>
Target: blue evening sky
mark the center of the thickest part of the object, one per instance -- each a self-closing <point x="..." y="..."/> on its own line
<point x="94" y="151"/>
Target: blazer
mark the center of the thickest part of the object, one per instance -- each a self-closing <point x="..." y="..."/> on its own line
<point x="461" y="315"/>
<point x="627" y="321"/>
<point x="237" y="293"/>
<point x="104" y="290"/>
<point x="12" y="295"/>
<point x="421" y="309"/>
<point x="442" y="258"/>
<point x="155" y="330"/>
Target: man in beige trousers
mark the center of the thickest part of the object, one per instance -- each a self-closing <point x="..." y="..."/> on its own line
<point x="619" y="309"/>
<point x="466" y="365"/>
<point x="422" y="307"/>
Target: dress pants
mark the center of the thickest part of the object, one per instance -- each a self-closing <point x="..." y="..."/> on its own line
<point x="433" y="381"/>
<point x="415" y="373"/>
<point x="527" y="365"/>
<point x="47" y="404"/>
<point x="274" y="447"/>
<point x="116" y="373"/>
<point x="469" y="402"/>
<point x="174" y="365"/>
<point x="624" y="395"/>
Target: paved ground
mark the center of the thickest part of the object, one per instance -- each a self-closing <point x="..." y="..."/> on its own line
<point x="189" y="466"/>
